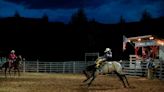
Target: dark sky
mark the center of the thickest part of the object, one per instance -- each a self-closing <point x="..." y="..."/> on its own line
<point x="105" y="11"/>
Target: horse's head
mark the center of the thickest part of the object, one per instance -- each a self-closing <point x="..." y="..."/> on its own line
<point x="97" y="59"/>
<point x="18" y="61"/>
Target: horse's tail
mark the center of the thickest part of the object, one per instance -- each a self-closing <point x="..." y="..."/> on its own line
<point x="123" y="68"/>
<point x="84" y="72"/>
<point x="3" y="65"/>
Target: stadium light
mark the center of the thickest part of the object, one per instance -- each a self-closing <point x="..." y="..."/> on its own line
<point x="139" y="39"/>
<point x="151" y="38"/>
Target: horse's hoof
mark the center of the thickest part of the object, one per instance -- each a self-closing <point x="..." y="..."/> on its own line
<point x="84" y="81"/>
<point x="88" y="85"/>
<point x="132" y="87"/>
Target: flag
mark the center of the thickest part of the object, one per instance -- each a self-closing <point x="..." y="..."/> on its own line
<point x="125" y="40"/>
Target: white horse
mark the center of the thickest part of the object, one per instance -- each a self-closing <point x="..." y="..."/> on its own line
<point x="107" y="67"/>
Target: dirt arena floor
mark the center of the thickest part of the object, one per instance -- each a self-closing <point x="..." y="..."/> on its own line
<point x="43" y="82"/>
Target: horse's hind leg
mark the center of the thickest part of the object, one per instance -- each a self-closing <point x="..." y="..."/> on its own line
<point x="5" y="72"/>
<point x="126" y="79"/>
<point x="121" y="78"/>
<point x="18" y="71"/>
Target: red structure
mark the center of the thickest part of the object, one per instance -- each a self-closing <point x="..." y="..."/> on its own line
<point x="148" y="44"/>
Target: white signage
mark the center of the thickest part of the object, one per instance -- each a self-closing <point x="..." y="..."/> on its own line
<point x="146" y="43"/>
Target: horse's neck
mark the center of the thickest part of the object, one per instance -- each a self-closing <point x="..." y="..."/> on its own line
<point x="16" y="63"/>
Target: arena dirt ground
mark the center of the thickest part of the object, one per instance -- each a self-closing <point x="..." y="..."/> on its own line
<point x="44" y="82"/>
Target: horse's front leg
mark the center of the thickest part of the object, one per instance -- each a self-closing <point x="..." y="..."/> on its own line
<point x="18" y="71"/>
<point x="14" y="71"/>
<point x="10" y="72"/>
<point x="93" y="78"/>
<point x="86" y="79"/>
<point x="86" y="75"/>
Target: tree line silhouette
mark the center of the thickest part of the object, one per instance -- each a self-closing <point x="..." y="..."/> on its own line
<point x="40" y="39"/>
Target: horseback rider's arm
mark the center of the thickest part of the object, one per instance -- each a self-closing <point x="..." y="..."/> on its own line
<point x="109" y="55"/>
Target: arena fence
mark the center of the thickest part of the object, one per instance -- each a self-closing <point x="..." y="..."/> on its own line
<point x="55" y="67"/>
<point x="129" y="68"/>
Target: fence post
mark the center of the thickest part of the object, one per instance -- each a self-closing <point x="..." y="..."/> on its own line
<point x="37" y="66"/>
<point x="135" y="73"/>
<point x="44" y="66"/>
<point x="160" y="75"/>
<point x="24" y="67"/>
<point x="74" y="67"/>
<point x="50" y="66"/>
<point x="63" y="67"/>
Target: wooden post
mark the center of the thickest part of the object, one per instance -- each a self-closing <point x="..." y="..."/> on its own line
<point x="149" y="74"/>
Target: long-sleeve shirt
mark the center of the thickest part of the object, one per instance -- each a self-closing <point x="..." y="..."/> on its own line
<point x="12" y="56"/>
<point x="107" y="55"/>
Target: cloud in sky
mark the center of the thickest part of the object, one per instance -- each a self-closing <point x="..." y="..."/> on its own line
<point x="56" y="4"/>
<point x="131" y="11"/>
<point x="105" y="11"/>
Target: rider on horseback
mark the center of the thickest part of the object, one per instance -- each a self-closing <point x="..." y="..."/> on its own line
<point x="107" y="55"/>
<point x="12" y="57"/>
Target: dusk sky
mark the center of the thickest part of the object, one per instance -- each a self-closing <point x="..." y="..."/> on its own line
<point x="104" y="11"/>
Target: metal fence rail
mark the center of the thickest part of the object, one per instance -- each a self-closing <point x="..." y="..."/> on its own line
<point x="134" y="71"/>
<point x="55" y="67"/>
<point x="79" y="66"/>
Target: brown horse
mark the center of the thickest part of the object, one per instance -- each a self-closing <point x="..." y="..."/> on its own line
<point x="15" y="66"/>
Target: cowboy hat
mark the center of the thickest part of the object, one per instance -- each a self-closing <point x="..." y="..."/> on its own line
<point x="12" y="51"/>
<point x="107" y="49"/>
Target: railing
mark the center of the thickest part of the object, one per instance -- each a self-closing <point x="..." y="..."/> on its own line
<point x="138" y="69"/>
<point x="56" y="67"/>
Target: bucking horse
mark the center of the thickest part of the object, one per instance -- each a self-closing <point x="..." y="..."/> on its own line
<point x="91" y="72"/>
